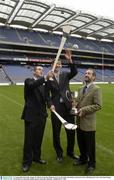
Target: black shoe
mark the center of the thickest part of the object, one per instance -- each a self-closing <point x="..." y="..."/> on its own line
<point x="60" y="159"/>
<point x="73" y="156"/>
<point x="79" y="162"/>
<point x="40" y="161"/>
<point x="90" y="170"/>
<point x="25" y="168"/>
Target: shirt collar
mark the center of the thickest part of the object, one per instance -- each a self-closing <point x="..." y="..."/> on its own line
<point x="36" y="78"/>
<point x="88" y="85"/>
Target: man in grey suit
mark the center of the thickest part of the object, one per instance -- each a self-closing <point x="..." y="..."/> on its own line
<point x="88" y="102"/>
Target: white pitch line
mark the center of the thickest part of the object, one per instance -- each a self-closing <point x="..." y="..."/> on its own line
<point x="103" y="148"/>
<point x="106" y="150"/>
<point x="11" y="100"/>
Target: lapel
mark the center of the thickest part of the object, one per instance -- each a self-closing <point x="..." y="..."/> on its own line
<point x="60" y="80"/>
<point x="42" y="90"/>
<point x="55" y="82"/>
<point x="81" y="92"/>
<point x="88" y="91"/>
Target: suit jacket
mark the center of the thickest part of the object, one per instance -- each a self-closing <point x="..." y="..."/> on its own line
<point x="35" y="100"/>
<point x="62" y="88"/>
<point x="90" y="102"/>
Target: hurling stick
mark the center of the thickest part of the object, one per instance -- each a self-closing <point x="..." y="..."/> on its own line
<point x="66" y="31"/>
<point x="66" y="124"/>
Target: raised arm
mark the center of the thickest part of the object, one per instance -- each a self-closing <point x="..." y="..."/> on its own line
<point x="73" y="68"/>
<point x="30" y="83"/>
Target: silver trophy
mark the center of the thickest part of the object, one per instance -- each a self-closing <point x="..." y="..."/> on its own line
<point x="73" y="100"/>
<point x="71" y="96"/>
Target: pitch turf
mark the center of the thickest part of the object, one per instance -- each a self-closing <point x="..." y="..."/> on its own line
<point x="11" y="138"/>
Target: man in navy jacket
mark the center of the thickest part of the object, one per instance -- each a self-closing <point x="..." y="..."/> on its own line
<point x="34" y="115"/>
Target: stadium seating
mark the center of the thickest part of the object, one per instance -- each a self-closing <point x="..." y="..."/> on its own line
<point x="18" y="74"/>
<point x="3" y="78"/>
<point x="48" y="39"/>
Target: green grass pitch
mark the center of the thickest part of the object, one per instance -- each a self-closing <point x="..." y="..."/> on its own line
<point x="11" y="138"/>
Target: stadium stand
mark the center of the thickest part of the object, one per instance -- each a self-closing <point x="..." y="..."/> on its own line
<point x="22" y="48"/>
<point x="3" y="78"/>
<point x="17" y="74"/>
<point x="47" y="39"/>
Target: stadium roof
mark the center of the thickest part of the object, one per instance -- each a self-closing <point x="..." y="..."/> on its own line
<point x="34" y="14"/>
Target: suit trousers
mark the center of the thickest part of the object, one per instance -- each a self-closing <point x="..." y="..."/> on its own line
<point x="86" y="143"/>
<point x="56" y="127"/>
<point x="33" y="140"/>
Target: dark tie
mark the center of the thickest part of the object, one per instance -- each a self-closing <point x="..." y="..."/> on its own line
<point x="84" y="89"/>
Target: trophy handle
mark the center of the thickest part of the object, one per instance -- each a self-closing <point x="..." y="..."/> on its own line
<point x="74" y="109"/>
<point x="67" y="95"/>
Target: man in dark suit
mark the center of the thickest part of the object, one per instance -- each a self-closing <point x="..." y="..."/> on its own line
<point x="60" y="100"/>
<point x="34" y="115"/>
<point x="88" y="102"/>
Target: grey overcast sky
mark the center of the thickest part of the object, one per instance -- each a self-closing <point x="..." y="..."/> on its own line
<point x="97" y="7"/>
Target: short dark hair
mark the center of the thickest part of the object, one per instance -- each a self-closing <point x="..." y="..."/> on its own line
<point x="35" y="68"/>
